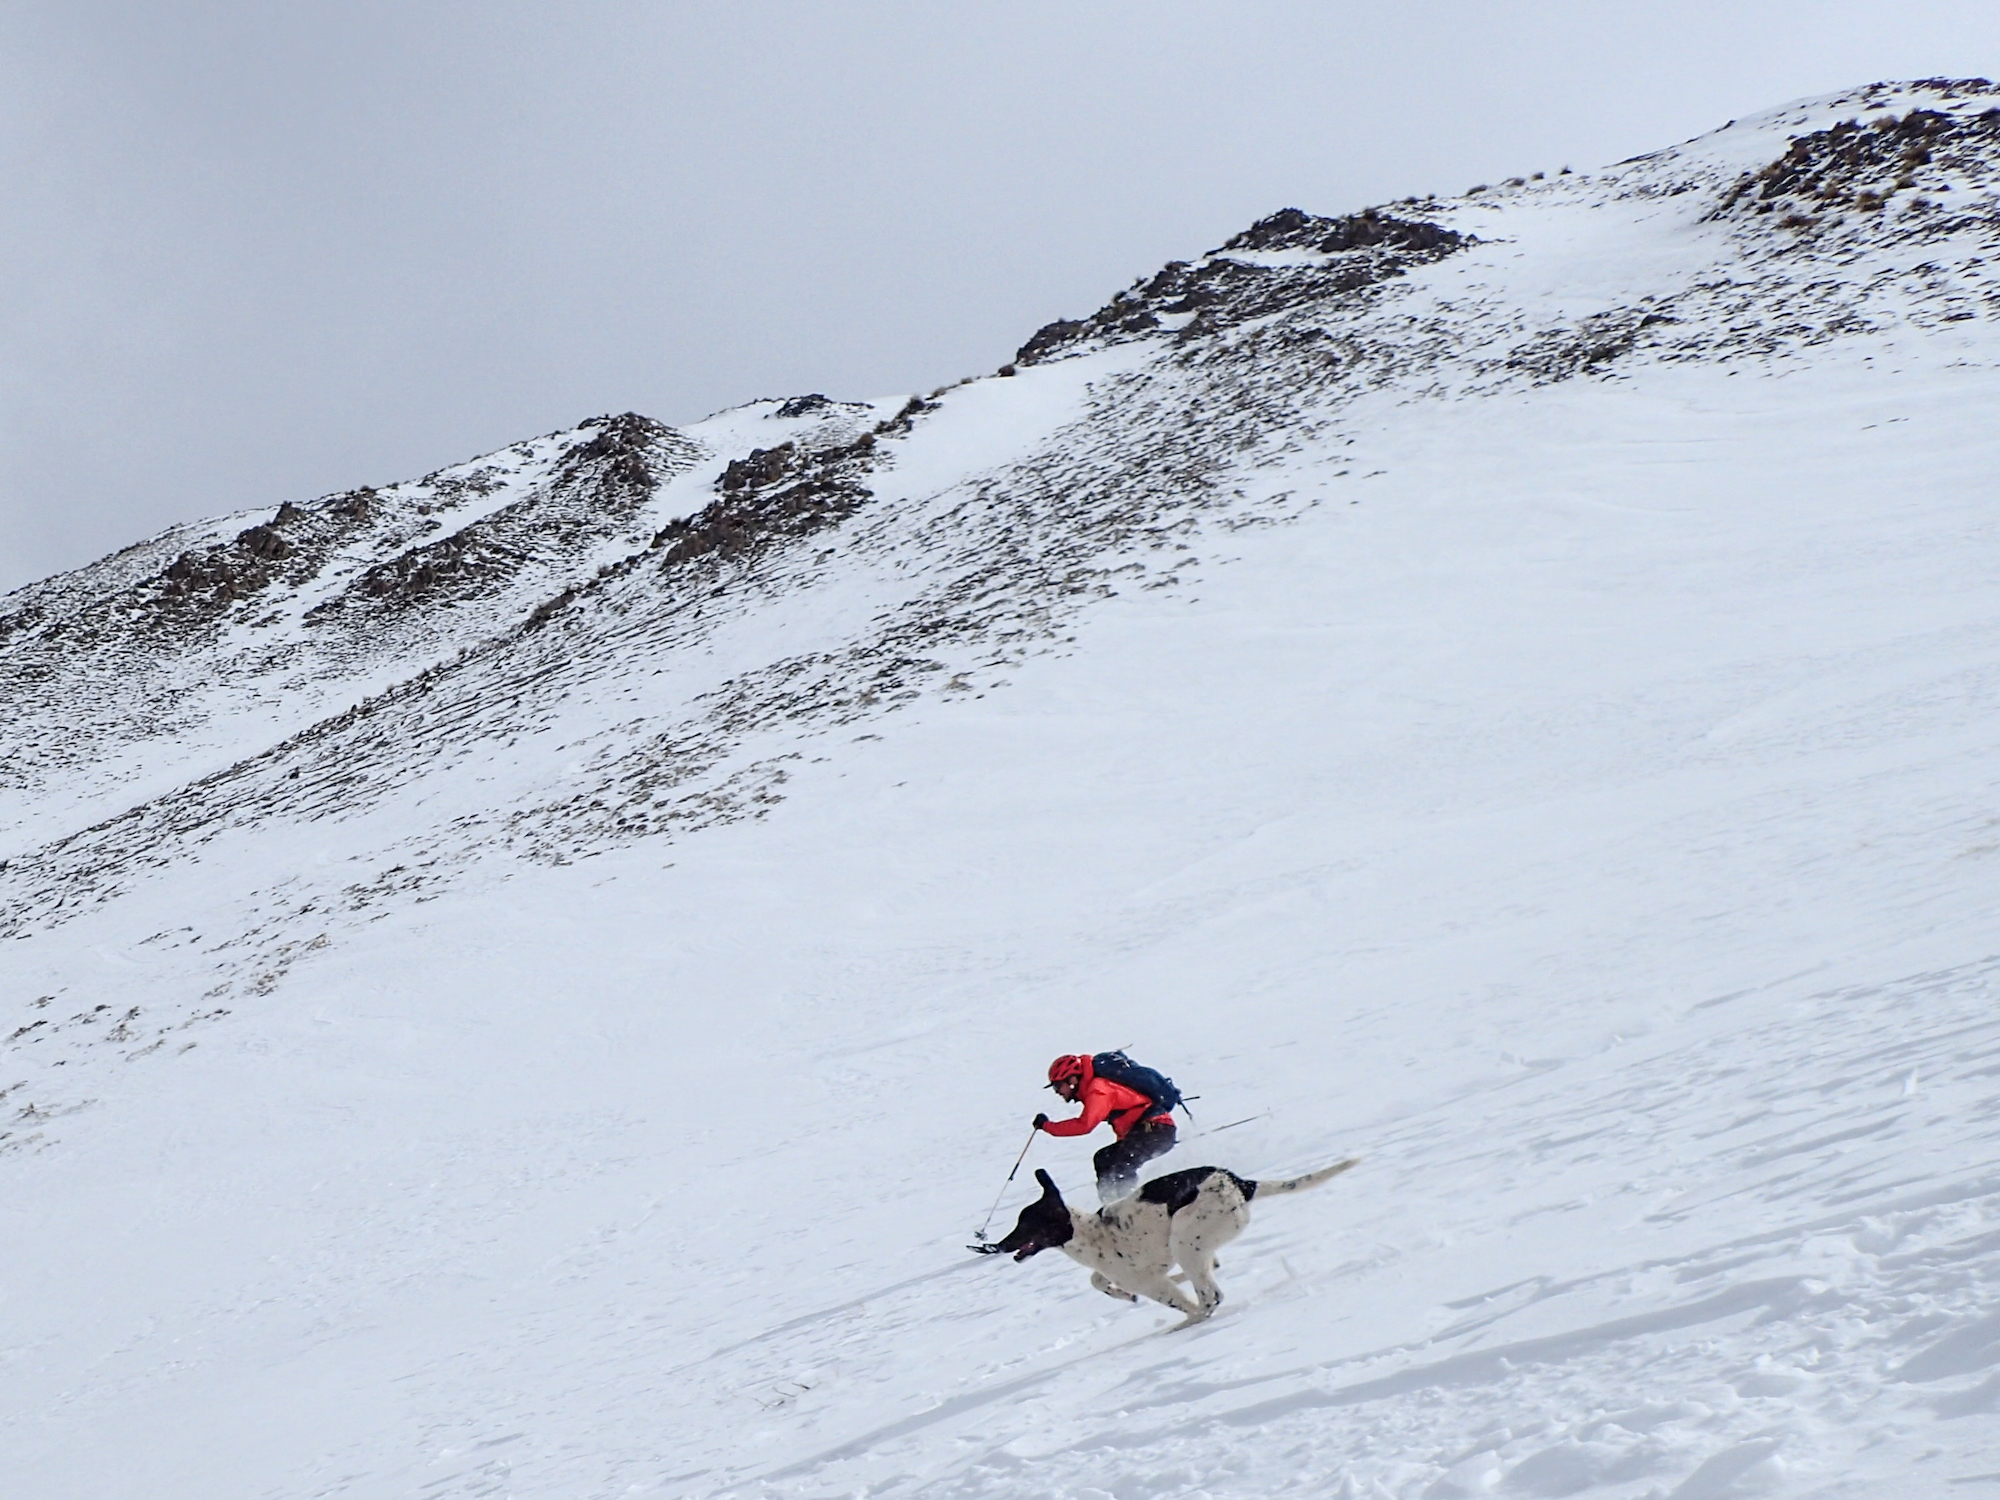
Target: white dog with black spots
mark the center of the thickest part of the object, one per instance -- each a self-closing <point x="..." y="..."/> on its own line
<point x="1132" y="1246"/>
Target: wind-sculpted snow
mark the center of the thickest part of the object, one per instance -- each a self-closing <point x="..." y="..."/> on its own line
<point x="525" y="980"/>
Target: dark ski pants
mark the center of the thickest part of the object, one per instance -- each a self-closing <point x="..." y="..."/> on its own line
<point x="1118" y="1164"/>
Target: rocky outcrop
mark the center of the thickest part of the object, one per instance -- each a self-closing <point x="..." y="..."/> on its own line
<point x="595" y="485"/>
<point x="1864" y="166"/>
<point x="782" y="492"/>
<point x="1283" y="260"/>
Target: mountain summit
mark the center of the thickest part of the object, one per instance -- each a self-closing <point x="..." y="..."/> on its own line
<point x="522" y="981"/>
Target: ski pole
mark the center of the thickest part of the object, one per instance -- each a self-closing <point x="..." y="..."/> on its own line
<point x="980" y="1234"/>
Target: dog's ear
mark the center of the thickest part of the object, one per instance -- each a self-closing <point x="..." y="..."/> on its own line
<point x="1049" y="1189"/>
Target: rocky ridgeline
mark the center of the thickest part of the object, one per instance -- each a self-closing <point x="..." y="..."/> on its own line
<point x="1261" y="348"/>
<point x="1306" y="258"/>
<point x="786" y="491"/>
<point x="766" y="497"/>
<point x="1926" y="153"/>
<point x="210" y="620"/>
<point x="590" y="496"/>
<point x="1861" y="225"/>
<point x="593" y="485"/>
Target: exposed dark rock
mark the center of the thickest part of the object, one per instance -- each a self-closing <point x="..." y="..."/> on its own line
<point x="1592" y="344"/>
<point x="760" y="466"/>
<point x="22" y="620"/>
<point x="355" y="505"/>
<point x="1952" y="86"/>
<point x="1850" y="162"/>
<point x="549" y="609"/>
<point x="913" y="408"/>
<point x="804" y="406"/>
<point x="265" y="543"/>
<point x="421" y="569"/>
<point x="198" y="584"/>
<point x="619" y="453"/>
<point x="1222" y="289"/>
<point x="775" y="493"/>
<point x="600" y="480"/>
<point x="1292" y="229"/>
<point x="1049" y="336"/>
<point x="206" y="581"/>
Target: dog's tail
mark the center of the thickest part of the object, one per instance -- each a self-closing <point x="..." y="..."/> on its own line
<point x="1300" y="1184"/>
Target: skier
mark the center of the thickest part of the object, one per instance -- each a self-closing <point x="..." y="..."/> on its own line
<point x="1143" y="1124"/>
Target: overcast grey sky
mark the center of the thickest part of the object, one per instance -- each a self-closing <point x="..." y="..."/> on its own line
<point x="261" y="251"/>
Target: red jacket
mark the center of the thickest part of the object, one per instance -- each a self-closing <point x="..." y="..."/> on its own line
<point x="1104" y="1100"/>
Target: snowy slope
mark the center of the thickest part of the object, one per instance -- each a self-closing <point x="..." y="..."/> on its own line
<point x="1503" y="686"/>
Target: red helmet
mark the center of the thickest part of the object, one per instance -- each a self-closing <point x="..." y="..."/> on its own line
<point x="1070" y="1065"/>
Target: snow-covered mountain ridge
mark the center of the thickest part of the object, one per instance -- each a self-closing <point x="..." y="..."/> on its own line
<point x="1501" y="683"/>
<point x="343" y="599"/>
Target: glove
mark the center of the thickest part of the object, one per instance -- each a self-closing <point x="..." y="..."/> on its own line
<point x="1041" y="1122"/>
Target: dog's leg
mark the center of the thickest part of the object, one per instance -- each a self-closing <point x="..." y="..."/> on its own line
<point x="1167" y="1294"/>
<point x="1200" y="1230"/>
<point x="1097" y="1279"/>
<point x="1200" y="1269"/>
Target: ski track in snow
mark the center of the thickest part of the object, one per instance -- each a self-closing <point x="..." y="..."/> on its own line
<point x="1523" y="714"/>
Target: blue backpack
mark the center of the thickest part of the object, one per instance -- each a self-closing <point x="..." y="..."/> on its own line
<point x="1155" y="1085"/>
